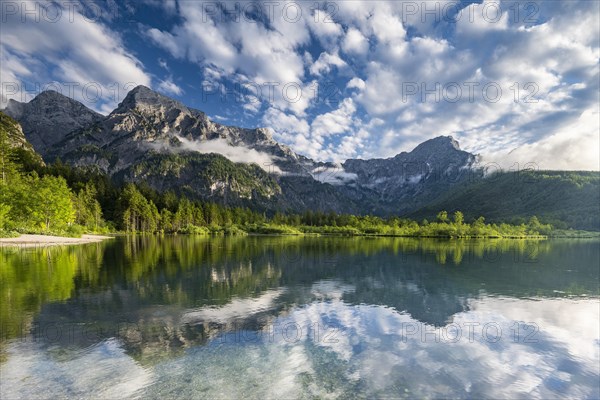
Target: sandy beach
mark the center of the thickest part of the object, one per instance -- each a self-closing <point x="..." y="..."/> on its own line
<point x="45" y="240"/>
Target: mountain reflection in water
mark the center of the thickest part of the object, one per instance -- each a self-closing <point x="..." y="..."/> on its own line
<point x="169" y="316"/>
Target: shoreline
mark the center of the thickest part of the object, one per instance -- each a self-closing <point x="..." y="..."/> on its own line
<point x="28" y="241"/>
<point x="37" y="240"/>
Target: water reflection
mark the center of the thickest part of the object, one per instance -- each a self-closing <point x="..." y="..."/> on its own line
<point x="274" y="317"/>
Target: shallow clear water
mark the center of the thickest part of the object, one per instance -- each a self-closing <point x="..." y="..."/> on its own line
<point x="276" y="317"/>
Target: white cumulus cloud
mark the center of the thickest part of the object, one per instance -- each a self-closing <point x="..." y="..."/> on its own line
<point x="81" y="55"/>
<point x="169" y="87"/>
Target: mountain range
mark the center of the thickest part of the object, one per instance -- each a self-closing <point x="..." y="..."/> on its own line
<point x="157" y="140"/>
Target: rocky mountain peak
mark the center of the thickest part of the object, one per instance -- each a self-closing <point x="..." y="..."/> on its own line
<point x="50" y="117"/>
<point x="144" y="99"/>
<point x="143" y="137"/>
<point x="52" y="96"/>
<point x="14" y="108"/>
<point x="440" y="144"/>
<point x="254" y="136"/>
<point x="158" y="118"/>
<point x="44" y="101"/>
<point x="144" y="95"/>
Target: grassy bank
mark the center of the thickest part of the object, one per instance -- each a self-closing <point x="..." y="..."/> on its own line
<point x="448" y="230"/>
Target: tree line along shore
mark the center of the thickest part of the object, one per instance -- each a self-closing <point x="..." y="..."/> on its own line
<point x="63" y="201"/>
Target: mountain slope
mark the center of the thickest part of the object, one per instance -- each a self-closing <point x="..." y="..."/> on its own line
<point x="147" y="121"/>
<point x="563" y="198"/>
<point x="11" y="131"/>
<point x="409" y="180"/>
<point x="157" y="140"/>
<point x="206" y="176"/>
<point x="49" y="117"/>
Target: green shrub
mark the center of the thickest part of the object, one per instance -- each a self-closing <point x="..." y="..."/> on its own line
<point x="74" y="230"/>
<point x="194" y="230"/>
<point x="272" y="229"/>
<point x="8" y="234"/>
<point x="234" y="230"/>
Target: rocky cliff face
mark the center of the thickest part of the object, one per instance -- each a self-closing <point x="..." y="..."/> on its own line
<point x="434" y="158"/>
<point x="49" y="117"/>
<point x="148" y="122"/>
<point x="408" y="180"/>
<point x="155" y="139"/>
<point x="12" y="133"/>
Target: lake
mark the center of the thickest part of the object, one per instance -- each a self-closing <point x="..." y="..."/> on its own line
<point x="301" y="317"/>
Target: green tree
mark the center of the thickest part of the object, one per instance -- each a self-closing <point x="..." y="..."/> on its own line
<point x="8" y="168"/>
<point x="4" y="216"/>
<point x="151" y="218"/>
<point x="166" y="220"/>
<point x="170" y="200"/>
<point x="534" y="223"/>
<point x="51" y="205"/>
<point x="135" y="208"/>
<point x="9" y="179"/>
<point x="459" y="218"/>
<point x="184" y="215"/>
<point x="226" y="216"/>
<point x="442" y="216"/>
<point x="211" y="214"/>
<point x="87" y="208"/>
<point x="198" y="215"/>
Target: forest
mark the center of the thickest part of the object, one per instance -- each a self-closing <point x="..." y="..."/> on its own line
<point x="61" y="200"/>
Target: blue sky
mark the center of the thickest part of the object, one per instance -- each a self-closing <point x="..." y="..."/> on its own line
<point x="514" y="81"/>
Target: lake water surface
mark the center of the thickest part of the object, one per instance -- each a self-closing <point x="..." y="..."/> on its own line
<point x="301" y="317"/>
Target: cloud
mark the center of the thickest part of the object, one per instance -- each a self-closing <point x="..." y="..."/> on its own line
<point x="334" y="175"/>
<point x="163" y="64"/>
<point x="325" y="62"/>
<point x="333" y="136"/>
<point x="355" y="42"/>
<point x="387" y="27"/>
<point x="283" y="123"/>
<point x="84" y="372"/>
<point x="252" y="104"/>
<point x="335" y="122"/>
<point x="384" y="58"/>
<point x="236" y="154"/>
<point x="166" y="41"/>
<point x="550" y="56"/>
<point x="542" y="87"/>
<point x="575" y="146"/>
<point x="169" y="87"/>
<point x="486" y="16"/>
<point x="13" y="70"/>
<point x="292" y="131"/>
<point x="85" y="57"/>
<point x="324" y="28"/>
<point x="236" y="309"/>
<point x="356" y="83"/>
<point x="382" y="90"/>
<point x="264" y="54"/>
